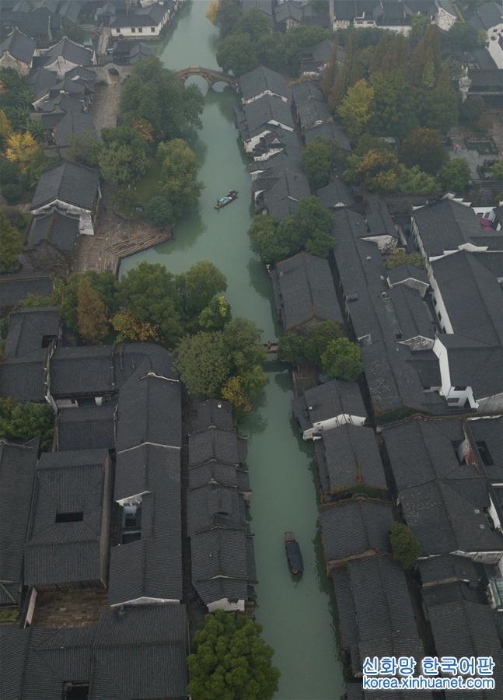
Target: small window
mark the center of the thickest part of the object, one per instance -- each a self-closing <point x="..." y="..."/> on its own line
<point x="453" y="401"/>
<point x="152" y="29"/>
<point x="77" y="690"/>
<point x="140" y="29"/>
<point x="133" y="29"/>
<point x="434" y="301"/>
<point x="439" y="316"/>
<point x="484" y="453"/>
<point x="70" y="517"/>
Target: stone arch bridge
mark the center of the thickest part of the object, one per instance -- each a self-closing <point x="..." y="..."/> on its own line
<point x="211" y="76"/>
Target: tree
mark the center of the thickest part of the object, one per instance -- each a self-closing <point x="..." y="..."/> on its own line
<point x="153" y="94"/>
<point x="419" y="25"/>
<point x="342" y="360"/>
<point x="234" y="393"/>
<point x="354" y="111"/>
<point x="243" y="346"/>
<point x="319" y="159"/>
<point x="178" y="179"/>
<point x="198" y="287"/>
<point x="212" y="13"/>
<point x="124" y="155"/>
<point x="22" y="149"/>
<point x="11" y="245"/>
<point x="299" y="38"/>
<point x="393" y="111"/>
<point x="203" y="363"/>
<point x="455" y="175"/>
<point x="230" y="660"/>
<point x="104" y="283"/>
<point x="404" y="545"/>
<point x="463" y="36"/>
<point x="496" y="170"/>
<point x="84" y="149"/>
<point x="91" y="312"/>
<point x="264" y="241"/>
<point x="159" y="211"/>
<point x="236" y="53"/>
<point x="149" y="292"/>
<point x="227" y="16"/>
<point x="308" y="347"/>
<point x="377" y="169"/>
<point x="425" y="148"/>
<point x="130" y="328"/>
<point x="214" y="316"/>
<point x="400" y="257"/>
<point x="26" y="421"/>
<point x="255" y="24"/>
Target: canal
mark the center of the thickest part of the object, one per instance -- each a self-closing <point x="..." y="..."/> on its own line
<point x="297" y="616"/>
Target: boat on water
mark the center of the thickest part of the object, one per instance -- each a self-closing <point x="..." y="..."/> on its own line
<point x="293" y="554"/>
<point x="224" y="201"/>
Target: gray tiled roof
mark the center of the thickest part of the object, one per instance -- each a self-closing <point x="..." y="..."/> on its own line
<point x="210" y="413"/>
<point x="310" y="104"/>
<point x="220" y="567"/>
<point x="41" y="81"/>
<point x="263" y="79"/>
<point x="348" y="456"/>
<point x="17" y="470"/>
<point x="136" y="652"/>
<point x="86" y="427"/>
<point x="488" y="434"/>
<point x="448" y="515"/>
<point x="23" y="378"/>
<point x="306" y="291"/>
<point x="465" y="628"/>
<point x="149" y="411"/>
<point x="472" y="296"/>
<point x="212" y="444"/>
<point x="487" y="16"/>
<point x="70" y="183"/>
<point x="351" y="528"/>
<point x="69" y="552"/>
<point x="283" y="192"/>
<point x="70" y="51"/>
<point x="14" y="288"/>
<point x="209" y="506"/>
<point x="72" y="125"/>
<point x="83" y="370"/>
<point x="333" y="398"/>
<point x="59" y="229"/>
<point x="329" y="130"/>
<point x="445" y="225"/>
<point x="215" y="472"/>
<point x="151" y="566"/>
<point x="335" y="194"/>
<point x="436" y="570"/>
<point x="385" y="623"/>
<point x="30" y="329"/>
<point x="19" y="46"/>
<point x="264" y="110"/>
<point x="421" y="450"/>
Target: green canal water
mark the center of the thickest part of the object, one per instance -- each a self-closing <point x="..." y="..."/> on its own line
<point x="297" y="616"/>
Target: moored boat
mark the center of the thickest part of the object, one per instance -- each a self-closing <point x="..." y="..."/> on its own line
<point x="223" y="201"/>
<point x="293" y="554"/>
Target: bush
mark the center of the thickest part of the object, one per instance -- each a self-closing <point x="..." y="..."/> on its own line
<point x="159" y="211"/>
<point x="404" y="545"/>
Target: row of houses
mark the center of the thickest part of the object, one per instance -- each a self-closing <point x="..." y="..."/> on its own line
<point x="267" y="118"/>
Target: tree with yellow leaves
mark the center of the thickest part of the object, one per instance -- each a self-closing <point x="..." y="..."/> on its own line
<point x="233" y="392"/>
<point x="5" y="127"/>
<point x="23" y="150"/>
<point x="144" y="128"/>
<point x="129" y="327"/>
<point x="212" y="13"/>
<point x="91" y="312"/>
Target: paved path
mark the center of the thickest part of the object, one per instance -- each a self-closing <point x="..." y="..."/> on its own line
<point x="105" y="105"/>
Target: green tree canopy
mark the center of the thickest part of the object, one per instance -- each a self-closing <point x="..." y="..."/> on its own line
<point x="236" y="53"/>
<point x="149" y="291"/>
<point x="425" y="148"/>
<point x="400" y="257"/>
<point x="152" y="94"/>
<point x="124" y="156"/>
<point x="496" y="170"/>
<point x="198" y="286"/>
<point x="319" y="159"/>
<point x="230" y="660"/>
<point x="215" y="316"/>
<point x="178" y="179"/>
<point x="454" y="176"/>
<point x="104" y="283"/>
<point x="91" y="312"/>
<point x="308" y="347"/>
<point x="404" y="545"/>
<point x="159" y="211"/>
<point x="342" y="360"/>
<point x="203" y="363"/>
<point x="11" y="245"/>
<point x="26" y="421"/>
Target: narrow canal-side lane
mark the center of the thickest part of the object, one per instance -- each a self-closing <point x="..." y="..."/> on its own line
<point x="296" y="615"/>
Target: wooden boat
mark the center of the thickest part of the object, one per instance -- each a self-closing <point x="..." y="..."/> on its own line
<point x="293" y="554"/>
<point x="224" y="201"/>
